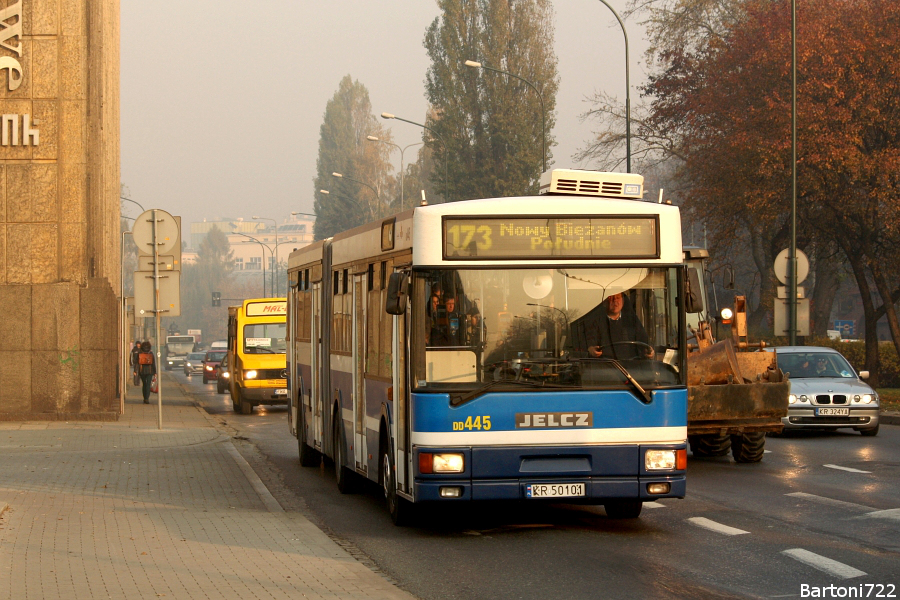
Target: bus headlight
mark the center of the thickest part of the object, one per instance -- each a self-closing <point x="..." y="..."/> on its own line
<point x="440" y="463"/>
<point x="662" y="460"/>
<point x="250" y="374"/>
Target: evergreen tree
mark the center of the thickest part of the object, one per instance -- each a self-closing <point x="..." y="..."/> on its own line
<point x="490" y="122"/>
<point x="343" y="148"/>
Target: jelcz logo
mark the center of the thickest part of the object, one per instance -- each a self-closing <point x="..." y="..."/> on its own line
<point x="554" y="419"/>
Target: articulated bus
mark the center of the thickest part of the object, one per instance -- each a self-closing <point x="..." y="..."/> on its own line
<point x="256" y="353"/>
<point x="467" y="351"/>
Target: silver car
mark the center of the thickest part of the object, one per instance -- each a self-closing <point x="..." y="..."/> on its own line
<point x="193" y="364"/>
<point x="826" y="393"/>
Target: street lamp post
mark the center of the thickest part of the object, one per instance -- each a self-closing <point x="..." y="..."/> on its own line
<point x="627" y="90"/>
<point x="386" y="115"/>
<point x="123" y="379"/>
<point x="275" y="270"/>
<point x="377" y="197"/>
<point x="263" y="257"/>
<point x="373" y="138"/>
<point x="478" y="65"/>
<point x="133" y="202"/>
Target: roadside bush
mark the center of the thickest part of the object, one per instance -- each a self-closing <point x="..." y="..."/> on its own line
<point x="855" y="352"/>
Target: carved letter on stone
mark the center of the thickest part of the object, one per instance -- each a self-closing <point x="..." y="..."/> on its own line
<point x="13" y="30"/>
<point x="10" y="120"/>
<point x="28" y="133"/>
<point x="8" y="62"/>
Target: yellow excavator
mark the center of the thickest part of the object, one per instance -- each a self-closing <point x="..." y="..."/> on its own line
<point x="736" y="392"/>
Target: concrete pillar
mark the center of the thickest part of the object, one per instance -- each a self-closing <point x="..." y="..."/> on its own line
<point x="59" y="209"/>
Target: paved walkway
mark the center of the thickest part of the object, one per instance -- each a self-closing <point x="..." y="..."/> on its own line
<point x="125" y="510"/>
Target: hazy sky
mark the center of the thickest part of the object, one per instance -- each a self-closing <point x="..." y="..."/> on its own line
<point x="222" y="100"/>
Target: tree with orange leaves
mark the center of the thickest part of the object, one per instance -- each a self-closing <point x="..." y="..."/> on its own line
<point x="725" y="100"/>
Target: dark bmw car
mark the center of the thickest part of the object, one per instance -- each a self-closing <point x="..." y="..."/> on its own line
<point x="210" y="362"/>
<point x="222" y="375"/>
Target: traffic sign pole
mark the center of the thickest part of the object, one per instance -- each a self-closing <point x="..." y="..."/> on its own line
<point x="157" y="311"/>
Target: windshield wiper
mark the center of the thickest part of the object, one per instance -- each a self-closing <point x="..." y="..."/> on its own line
<point x="645" y="396"/>
<point x="462" y="399"/>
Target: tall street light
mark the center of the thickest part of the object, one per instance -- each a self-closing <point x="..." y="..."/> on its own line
<point x="478" y="65"/>
<point x="386" y="115"/>
<point x="792" y="302"/>
<point x="627" y="90"/>
<point x="373" y="138"/>
<point x="263" y="257"/>
<point x="277" y="287"/>
<point x="347" y="177"/>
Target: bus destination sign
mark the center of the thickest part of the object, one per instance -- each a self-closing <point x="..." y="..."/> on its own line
<point x="473" y="238"/>
<point x="263" y="309"/>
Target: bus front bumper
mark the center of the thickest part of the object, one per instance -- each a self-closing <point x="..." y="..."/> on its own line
<point x="588" y="474"/>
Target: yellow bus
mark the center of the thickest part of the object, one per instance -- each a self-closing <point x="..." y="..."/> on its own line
<point x="256" y="358"/>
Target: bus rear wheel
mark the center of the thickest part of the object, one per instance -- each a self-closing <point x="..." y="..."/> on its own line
<point x="623" y="509"/>
<point x="343" y="475"/>
<point x="308" y="456"/>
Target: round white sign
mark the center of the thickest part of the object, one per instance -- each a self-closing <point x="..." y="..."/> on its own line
<point x="781" y="265"/>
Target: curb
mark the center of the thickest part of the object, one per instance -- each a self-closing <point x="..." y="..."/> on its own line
<point x="891" y="418"/>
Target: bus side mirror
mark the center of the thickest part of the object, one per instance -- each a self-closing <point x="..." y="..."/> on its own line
<point x="693" y="302"/>
<point x="397" y="294"/>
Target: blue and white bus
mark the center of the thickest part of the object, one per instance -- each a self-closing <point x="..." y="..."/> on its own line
<point x="466" y="351"/>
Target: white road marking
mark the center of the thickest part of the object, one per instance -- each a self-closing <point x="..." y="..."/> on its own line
<point x="826" y="565"/>
<point x="892" y="514"/>
<point x="653" y="505"/>
<point x="848" y="469"/>
<point x="830" y="501"/>
<point x="767" y="452"/>
<point x="717" y="527"/>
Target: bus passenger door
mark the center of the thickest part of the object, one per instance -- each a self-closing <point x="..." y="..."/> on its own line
<point x="316" y="368"/>
<point x="359" y="366"/>
<point x="400" y="418"/>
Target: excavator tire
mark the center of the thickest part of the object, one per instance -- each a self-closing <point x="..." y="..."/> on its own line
<point x="709" y="444"/>
<point x="748" y="447"/>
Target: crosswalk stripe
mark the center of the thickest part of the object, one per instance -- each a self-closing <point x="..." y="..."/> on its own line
<point x="717" y="527"/>
<point x="848" y="469"/>
<point x="826" y="565"/>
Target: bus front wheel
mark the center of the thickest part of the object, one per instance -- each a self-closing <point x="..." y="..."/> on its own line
<point x="400" y="509"/>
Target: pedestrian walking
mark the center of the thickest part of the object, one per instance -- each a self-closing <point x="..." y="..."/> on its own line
<point x="147" y="366"/>
<point x="133" y="361"/>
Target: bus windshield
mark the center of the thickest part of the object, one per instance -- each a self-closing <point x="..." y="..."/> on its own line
<point x="575" y="327"/>
<point x="264" y="338"/>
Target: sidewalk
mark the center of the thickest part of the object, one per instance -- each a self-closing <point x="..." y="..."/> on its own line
<point x="125" y="510"/>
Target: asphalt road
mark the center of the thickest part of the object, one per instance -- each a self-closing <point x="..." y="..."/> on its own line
<point x="821" y="509"/>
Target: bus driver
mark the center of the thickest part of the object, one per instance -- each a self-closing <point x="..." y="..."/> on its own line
<point x="619" y="335"/>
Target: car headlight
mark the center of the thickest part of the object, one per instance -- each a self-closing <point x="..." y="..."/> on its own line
<point x="863" y="399"/>
<point x="440" y="463"/>
<point x="792" y="399"/>
<point x="803" y="398"/>
<point x="209" y="367"/>
<point x="250" y="374"/>
<point x="225" y="374"/>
